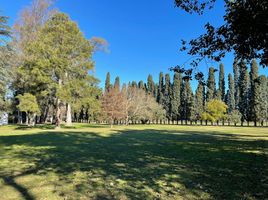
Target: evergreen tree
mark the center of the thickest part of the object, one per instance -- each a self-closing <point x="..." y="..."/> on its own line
<point x="117" y="83"/>
<point x="134" y="84"/>
<point x="160" y="95"/>
<point x="243" y="88"/>
<point x="221" y="83"/>
<point x="150" y="85"/>
<point x="236" y="83"/>
<point x="260" y="100"/>
<point x="141" y="85"/>
<point x="200" y="100"/>
<point x="107" y="82"/>
<point x="156" y="90"/>
<point x="254" y="93"/>
<point x="145" y="87"/>
<point x="187" y="101"/>
<point x="167" y="96"/>
<point x="211" y="85"/>
<point x="59" y="63"/>
<point x="231" y="92"/>
<point x="176" y="96"/>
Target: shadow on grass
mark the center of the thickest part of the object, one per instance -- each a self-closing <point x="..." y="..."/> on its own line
<point x="187" y="163"/>
<point x="39" y="126"/>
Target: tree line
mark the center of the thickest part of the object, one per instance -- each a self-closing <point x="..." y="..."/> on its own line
<point x="243" y="100"/>
<point x="46" y="70"/>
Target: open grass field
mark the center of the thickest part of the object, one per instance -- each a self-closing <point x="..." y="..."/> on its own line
<point x="135" y="162"/>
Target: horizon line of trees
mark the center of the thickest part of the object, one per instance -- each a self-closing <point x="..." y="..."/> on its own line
<point x="45" y="77"/>
<point x="244" y="100"/>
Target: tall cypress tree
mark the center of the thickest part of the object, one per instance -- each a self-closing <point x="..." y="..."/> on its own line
<point x="117" y="83"/>
<point x="176" y="96"/>
<point x="236" y="83"/>
<point x="221" y="83"/>
<point x="167" y="96"/>
<point x="150" y="85"/>
<point x="190" y="114"/>
<point x="160" y="96"/>
<point x="141" y="85"/>
<point x="260" y="100"/>
<point x="254" y="93"/>
<point x="156" y="91"/>
<point x="231" y="92"/>
<point x="211" y="85"/>
<point x="107" y="82"/>
<point x="187" y="101"/>
<point x="134" y="84"/>
<point x="243" y="88"/>
<point x="200" y="100"/>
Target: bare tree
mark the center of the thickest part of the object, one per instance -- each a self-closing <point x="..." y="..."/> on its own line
<point x="114" y="105"/>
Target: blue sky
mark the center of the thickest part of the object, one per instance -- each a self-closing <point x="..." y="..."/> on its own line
<point x="144" y="36"/>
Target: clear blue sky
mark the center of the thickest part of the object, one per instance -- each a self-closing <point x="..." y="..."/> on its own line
<point x="144" y="35"/>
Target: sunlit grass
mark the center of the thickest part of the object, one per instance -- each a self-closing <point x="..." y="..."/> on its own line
<point x="134" y="162"/>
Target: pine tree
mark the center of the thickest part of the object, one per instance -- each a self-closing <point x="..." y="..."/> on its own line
<point x="107" y="82"/>
<point x="231" y="92"/>
<point x="176" y="96"/>
<point x="243" y="88"/>
<point x="150" y="85"/>
<point x="211" y="85"/>
<point x="236" y="83"/>
<point x="160" y="96"/>
<point x="167" y="96"/>
<point x="221" y="83"/>
<point x="254" y="93"/>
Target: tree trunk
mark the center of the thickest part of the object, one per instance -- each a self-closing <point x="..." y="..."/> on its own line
<point x="58" y="111"/>
<point x="27" y="119"/>
<point x="68" y="115"/>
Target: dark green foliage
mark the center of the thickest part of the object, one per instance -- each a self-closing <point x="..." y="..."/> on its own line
<point x="107" y="82"/>
<point x="156" y="91"/>
<point x="117" y="83"/>
<point x="231" y="93"/>
<point x="200" y="100"/>
<point x="244" y="91"/>
<point x="244" y="31"/>
<point x="187" y="101"/>
<point x="221" y="83"/>
<point x="211" y="85"/>
<point x="176" y="96"/>
<point x="160" y="95"/>
<point x="141" y="85"/>
<point x="167" y="96"/>
<point x="150" y="85"/>
<point x="254" y="92"/>
<point x="260" y="100"/>
<point x="236" y="83"/>
<point x="134" y="84"/>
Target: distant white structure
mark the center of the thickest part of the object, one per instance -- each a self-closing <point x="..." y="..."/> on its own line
<point x="3" y="118"/>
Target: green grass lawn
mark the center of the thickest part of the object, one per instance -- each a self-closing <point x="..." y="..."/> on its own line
<point x="134" y="162"/>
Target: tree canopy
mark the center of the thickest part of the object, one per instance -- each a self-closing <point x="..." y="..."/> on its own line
<point x="244" y="31"/>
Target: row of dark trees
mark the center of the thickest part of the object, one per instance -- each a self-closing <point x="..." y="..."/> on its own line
<point x="245" y="95"/>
